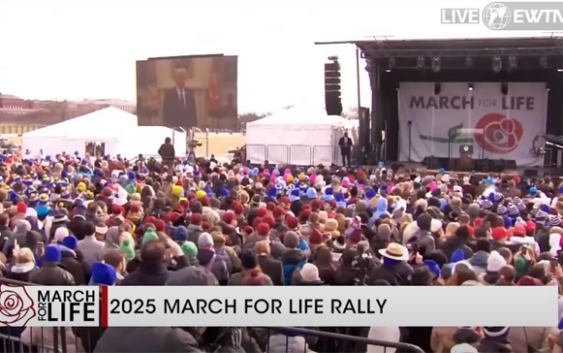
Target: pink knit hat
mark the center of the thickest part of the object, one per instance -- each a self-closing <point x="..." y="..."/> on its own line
<point x="60" y="234"/>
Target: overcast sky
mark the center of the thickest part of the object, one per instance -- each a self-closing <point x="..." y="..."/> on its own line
<point x="87" y="49"/>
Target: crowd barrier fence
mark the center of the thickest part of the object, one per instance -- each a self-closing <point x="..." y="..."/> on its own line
<point x="71" y="340"/>
<point x="303" y="155"/>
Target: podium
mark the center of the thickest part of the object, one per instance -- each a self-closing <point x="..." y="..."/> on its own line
<point x="467" y="150"/>
<point x="466" y="162"/>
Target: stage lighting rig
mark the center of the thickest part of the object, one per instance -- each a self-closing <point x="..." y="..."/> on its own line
<point x="436" y="64"/>
<point x="512" y="63"/>
<point x="469" y="61"/>
<point x="497" y="63"/>
<point x="420" y="63"/>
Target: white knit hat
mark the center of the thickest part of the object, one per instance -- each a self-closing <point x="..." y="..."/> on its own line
<point x="495" y="262"/>
<point x="310" y="273"/>
<point x="60" y="234"/>
<point x="463" y="348"/>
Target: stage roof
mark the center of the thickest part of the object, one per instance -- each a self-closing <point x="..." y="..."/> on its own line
<point x="385" y="48"/>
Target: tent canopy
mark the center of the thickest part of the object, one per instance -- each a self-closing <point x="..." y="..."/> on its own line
<point x="109" y="121"/>
<point x="115" y="129"/>
<point x="296" y="136"/>
<point x="302" y="117"/>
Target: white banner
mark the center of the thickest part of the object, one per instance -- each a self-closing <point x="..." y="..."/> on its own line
<point x="493" y="125"/>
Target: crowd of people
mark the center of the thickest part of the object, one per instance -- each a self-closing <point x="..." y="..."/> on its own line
<point x="68" y="220"/>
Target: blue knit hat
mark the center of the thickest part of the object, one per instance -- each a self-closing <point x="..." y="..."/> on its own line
<point x="70" y="242"/>
<point x="180" y="233"/>
<point x="53" y="253"/>
<point x="311" y="193"/>
<point x="103" y="274"/>
<point x="434" y="268"/>
<point x="458" y="256"/>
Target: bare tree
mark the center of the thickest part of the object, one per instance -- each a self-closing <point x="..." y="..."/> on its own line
<point x="59" y="110"/>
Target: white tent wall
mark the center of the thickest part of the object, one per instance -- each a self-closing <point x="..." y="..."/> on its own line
<point x="146" y="140"/>
<point x="295" y="136"/>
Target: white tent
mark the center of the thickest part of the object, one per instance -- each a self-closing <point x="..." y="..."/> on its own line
<point x="115" y="129"/>
<point x="296" y="136"/>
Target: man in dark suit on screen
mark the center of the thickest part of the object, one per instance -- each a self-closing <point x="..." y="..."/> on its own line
<point x="179" y="108"/>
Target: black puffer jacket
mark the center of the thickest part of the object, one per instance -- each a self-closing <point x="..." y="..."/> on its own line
<point x="52" y="274"/>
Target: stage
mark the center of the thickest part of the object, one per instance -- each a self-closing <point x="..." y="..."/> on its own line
<point x="487" y="101"/>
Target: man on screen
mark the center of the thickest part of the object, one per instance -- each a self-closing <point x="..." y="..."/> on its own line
<point x="179" y="108"/>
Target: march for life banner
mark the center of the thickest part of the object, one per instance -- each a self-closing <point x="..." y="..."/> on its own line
<point x="268" y="306"/>
<point x="494" y="125"/>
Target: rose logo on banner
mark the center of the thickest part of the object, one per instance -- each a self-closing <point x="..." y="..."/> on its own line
<point x="501" y="134"/>
<point x="16" y="306"/>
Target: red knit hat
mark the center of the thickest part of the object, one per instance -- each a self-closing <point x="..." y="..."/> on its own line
<point x="499" y="233"/>
<point x="519" y="231"/>
<point x="159" y="225"/>
<point x="355" y="236"/>
<point x="263" y="229"/>
<point x="256" y="222"/>
<point x="22" y="207"/>
<point x="229" y="217"/>
<point x="195" y="219"/>
<point x="117" y="210"/>
<point x="530" y="226"/>
<point x="478" y="222"/>
<point x="248" y="230"/>
<point x="269" y="220"/>
<point x="278" y="212"/>
<point x="270" y="206"/>
<point x="262" y="212"/>
<point x="285" y="200"/>
<point x="292" y="222"/>
<point x="315" y="238"/>
<point x="238" y="208"/>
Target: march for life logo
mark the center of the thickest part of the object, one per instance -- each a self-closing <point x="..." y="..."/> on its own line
<point x="42" y="306"/>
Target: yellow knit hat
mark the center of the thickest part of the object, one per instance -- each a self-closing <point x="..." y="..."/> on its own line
<point x="200" y="194"/>
<point x="177" y="190"/>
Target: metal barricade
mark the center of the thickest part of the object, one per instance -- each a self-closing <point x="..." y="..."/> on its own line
<point x="278" y="154"/>
<point x="292" y="339"/>
<point x="324" y="155"/>
<point x="300" y="155"/>
<point x="256" y="153"/>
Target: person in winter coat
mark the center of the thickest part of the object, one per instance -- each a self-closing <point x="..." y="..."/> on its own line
<point x="25" y="266"/>
<point x="293" y="259"/>
<point x="194" y="228"/>
<point x="90" y="247"/>
<point x="75" y="226"/>
<point x="463" y="339"/>
<point x="495" y="262"/>
<point x="207" y="257"/>
<point x="21" y="227"/>
<point x="380" y="210"/>
<point x="229" y="228"/>
<point x="226" y="253"/>
<point x="263" y="234"/>
<point x="345" y="274"/>
<point x="495" y="340"/>
<point x="394" y="268"/>
<point x="522" y="339"/>
<point x="51" y="273"/>
<point x="249" y="264"/>
<point x="479" y="258"/>
<point x="271" y="267"/>
<point x="423" y="236"/>
<point x="152" y="269"/>
<point x="73" y="262"/>
<point x="457" y="241"/>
